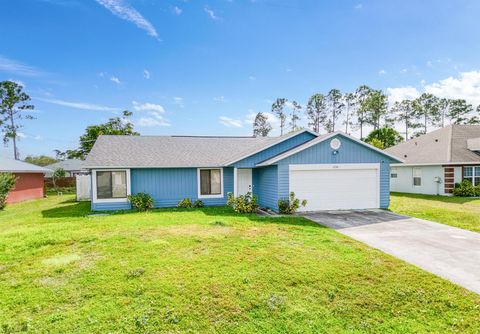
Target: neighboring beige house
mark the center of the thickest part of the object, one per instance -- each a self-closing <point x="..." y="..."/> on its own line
<point x="434" y="162"/>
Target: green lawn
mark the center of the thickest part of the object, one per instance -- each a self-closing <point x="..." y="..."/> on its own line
<point x="455" y="211"/>
<point x="208" y="270"/>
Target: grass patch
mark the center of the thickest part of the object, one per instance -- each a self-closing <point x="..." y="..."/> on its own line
<point x="208" y="270"/>
<point x="460" y="212"/>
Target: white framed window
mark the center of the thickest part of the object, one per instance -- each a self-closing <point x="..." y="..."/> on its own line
<point x="210" y="182"/>
<point x="110" y="185"/>
<point x="417" y="177"/>
<point x="393" y="173"/>
<point x="472" y="174"/>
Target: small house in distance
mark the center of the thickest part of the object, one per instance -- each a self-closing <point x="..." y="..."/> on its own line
<point x="30" y="179"/>
<point x="72" y="167"/>
<point x="434" y="162"/>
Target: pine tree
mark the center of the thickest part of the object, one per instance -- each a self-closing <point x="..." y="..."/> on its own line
<point x="261" y="126"/>
<point x="294" y="117"/>
<point x="334" y="107"/>
<point x="278" y="110"/>
<point x="316" y="111"/>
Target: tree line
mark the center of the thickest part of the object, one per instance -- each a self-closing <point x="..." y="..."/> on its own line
<point x="364" y="107"/>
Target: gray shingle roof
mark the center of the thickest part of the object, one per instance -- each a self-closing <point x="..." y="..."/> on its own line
<point x="446" y="145"/>
<point x="17" y="166"/>
<point x="68" y="165"/>
<point x="174" y="151"/>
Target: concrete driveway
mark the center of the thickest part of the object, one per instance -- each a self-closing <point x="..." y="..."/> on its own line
<point x="446" y="251"/>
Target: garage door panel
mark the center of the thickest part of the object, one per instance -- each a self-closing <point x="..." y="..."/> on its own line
<point x="332" y="189"/>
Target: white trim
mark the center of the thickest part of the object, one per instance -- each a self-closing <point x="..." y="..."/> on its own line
<point x="319" y="140"/>
<point x="273" y="144"/>
<point x="110" y="200"/>
<point x="199" y="185"/>
<point x="313" y="167"/>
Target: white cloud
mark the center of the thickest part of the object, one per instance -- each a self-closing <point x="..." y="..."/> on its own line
<point x="177" y="10"/>
<point x="210" y="13"/>
<point x="102" y="74"/>
<point x="230" y="122"/>
<point x="466" y="86"/>
<point x="79" y="105"/>
<point x="155" y="119"/>
<point x="21" y="135"/>
<point x="402" y="93"/>
<point x="288" y="70"/>
<point x="359" y="6"/>
<point x="178" y="101"/>
<point x="126" y="12"/>
<point x="271" y="118"/>
<point x="382" y="72"/>
<point x="252" y="78"/>
<point x="38" y="137"/>
<point x="148" y="107"/>
<point x="116" y="80"/>
<point x="220" y="99"/>
<point x="146" y="74"/>
<point x="403" y="70"/>
<point x="15" y="67"/>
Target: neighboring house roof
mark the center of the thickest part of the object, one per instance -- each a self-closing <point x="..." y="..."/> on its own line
<point x="449" y="145"/>
<point x="176" y="151"/>
<point x="17" y="166"/>
<point x="320" y="139"/>
<point x="68" y="165"/>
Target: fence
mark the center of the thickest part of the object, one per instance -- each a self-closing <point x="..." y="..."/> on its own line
<point x="61" y="182"/>
<point x="83" y="187"/>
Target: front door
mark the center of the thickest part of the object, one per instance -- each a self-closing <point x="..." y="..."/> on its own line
<point x="244" y="181"/>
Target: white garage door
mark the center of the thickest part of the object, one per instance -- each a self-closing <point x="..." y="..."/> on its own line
<point x="336" y="187"/>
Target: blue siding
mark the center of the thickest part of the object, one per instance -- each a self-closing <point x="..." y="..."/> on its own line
<point x="251" y="161"/>
<point x="265" y="186"/>
<point x="168" y="186"/>
<point x="114" y="206"/>
<point x="349" y="152"/>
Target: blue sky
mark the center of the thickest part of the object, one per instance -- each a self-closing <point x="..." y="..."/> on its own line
<point x="204" y="67"/>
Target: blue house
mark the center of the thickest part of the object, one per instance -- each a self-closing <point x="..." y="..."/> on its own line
<point x="332" y="171"/>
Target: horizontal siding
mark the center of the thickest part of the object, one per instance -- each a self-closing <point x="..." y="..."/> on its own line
<point x="349" y="152"/>
<point x="265" y="186"/>
<point x="111" y="206"/>
<point x="168" y="186"/>
<point x="274" y="150"/>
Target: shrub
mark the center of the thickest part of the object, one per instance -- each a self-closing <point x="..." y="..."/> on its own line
<point x="290" y="205"/>
<point x="185" y="203"/>
<point x="465" y="189"/>
<point x="7" y="183"/>
<point x="244" y="203"/>
<point x="141" y="201"/>
<point x="198" y="204"/>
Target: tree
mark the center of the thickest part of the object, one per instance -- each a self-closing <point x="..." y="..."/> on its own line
<point x="375" y="108"/>
<point x="261" y="126"/>
<point x="57" y="174"/>
<point x="41" y="160"/>
<point x="13" y="104"/>
<point x="427" y="108"/>
<point x="388" y="137"/>
<point x="278" y="110"/>
<point x="361" y="94"/>
<point x="59" y="155"/>
<point x="334" y="107"/>
<point x="7" y="183"/>
<point x="296" y="107"/>
<point x="316" y="111"/>
<point x="350" y="103"/>
<point x="114" y="126"/>
<point x="444" y="110"/>
<point x="460" y="112"/>
<point x="405" y="113"/>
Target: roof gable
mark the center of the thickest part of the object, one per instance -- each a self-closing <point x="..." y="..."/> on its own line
<point x="322" y="139"/>
<point x="18" y="166"/>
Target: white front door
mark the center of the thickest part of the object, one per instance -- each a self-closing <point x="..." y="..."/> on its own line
<point x="244" y="181"/>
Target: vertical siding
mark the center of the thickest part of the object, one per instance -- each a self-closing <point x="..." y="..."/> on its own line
<point x="168" y="186"/>
<point x="265" y="186"/>
<point x="274" y="150"/>
<point x="349" y="152"/>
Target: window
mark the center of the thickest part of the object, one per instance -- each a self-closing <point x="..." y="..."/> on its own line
<point x="417" y="177"/>
<point x="472" y="174"/>
<point x="393" y="173"/>
<point x="210" y="182"/>
<point x="111" y="184"/>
